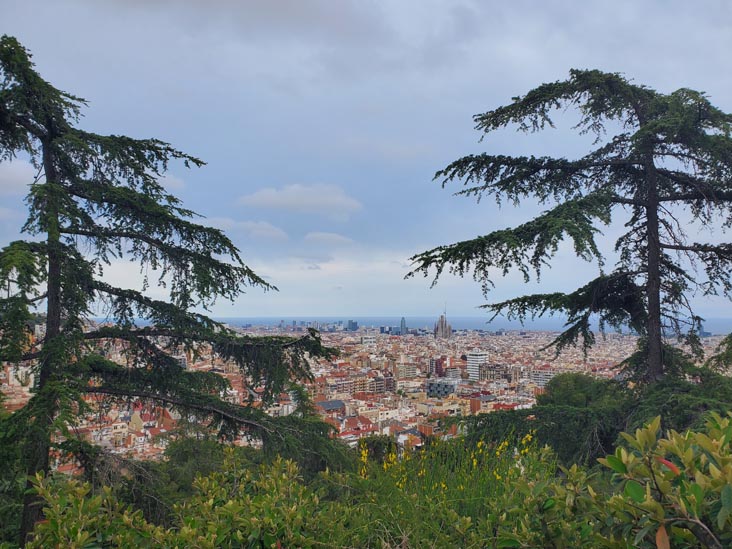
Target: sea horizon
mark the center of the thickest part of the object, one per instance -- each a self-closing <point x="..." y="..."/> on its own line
<point x="715" y="326"/>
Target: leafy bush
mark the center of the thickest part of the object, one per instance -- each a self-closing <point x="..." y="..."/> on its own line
<point x="676" y="489"/>
<point x="667" y="491"/>
<point x="264" y="507"/>
<point x="577" y="435"/>
<point x="680" y="403"/>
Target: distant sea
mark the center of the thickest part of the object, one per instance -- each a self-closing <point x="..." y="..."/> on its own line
<point x="457" y="322"/>
<point x="712" y="325"/>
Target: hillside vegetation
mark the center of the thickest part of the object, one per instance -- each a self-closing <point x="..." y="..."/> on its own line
<point x="658" y="488"/>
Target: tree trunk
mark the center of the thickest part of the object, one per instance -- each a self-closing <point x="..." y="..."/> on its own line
<point x="38" y="440"/>
<point x="653" y="284"/>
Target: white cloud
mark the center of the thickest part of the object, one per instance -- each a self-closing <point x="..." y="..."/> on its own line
<point x="15" y="177"/>
<point x="327" y="239"/>
<point x="312" y="261"/>
<point x="328" y="200"/>
<point x="255" y="229"/>
<point x="370" y="283"/>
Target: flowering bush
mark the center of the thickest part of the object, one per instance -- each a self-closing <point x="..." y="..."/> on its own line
<point x="668" y="491"/>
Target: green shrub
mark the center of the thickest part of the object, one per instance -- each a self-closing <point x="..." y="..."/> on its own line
<point x="676" y="488"/>
<point x="668" y="491"/>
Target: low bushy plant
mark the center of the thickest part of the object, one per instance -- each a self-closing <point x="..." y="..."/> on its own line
<point x="672" y="490"/>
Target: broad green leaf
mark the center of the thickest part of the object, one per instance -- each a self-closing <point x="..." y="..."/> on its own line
<point x="698" y="492"/>
<point x="727" y="498"/>
<point x="616" y="464"/>
<point x="635" y="491"/>
<point x="548" y="504"/>
<point x="722" y="517"/>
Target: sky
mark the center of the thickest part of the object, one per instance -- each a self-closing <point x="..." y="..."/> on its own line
<point x="322" y="123"/>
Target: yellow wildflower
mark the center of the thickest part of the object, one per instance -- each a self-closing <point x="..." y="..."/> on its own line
<point x="501" y="447"/>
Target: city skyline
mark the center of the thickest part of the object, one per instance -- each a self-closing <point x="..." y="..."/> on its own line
<point x="323" y="123"/>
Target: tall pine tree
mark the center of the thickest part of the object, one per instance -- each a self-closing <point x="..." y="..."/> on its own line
<point x="98" y="198"/>
<point x="673" y="154"/>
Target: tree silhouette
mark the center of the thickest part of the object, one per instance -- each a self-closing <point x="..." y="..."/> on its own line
<point x="673" y="153"/>
<point x="97" y="198"/>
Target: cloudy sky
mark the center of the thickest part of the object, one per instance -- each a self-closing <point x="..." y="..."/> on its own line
<point x="323" y="122"/>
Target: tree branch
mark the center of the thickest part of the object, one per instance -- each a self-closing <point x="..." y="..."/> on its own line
<point x="135" y="235"/>
<point x="174" y="401"/>
<point x="30" y="356"/>
<point x="114" y="332"/>
<point x="721" y="250"/>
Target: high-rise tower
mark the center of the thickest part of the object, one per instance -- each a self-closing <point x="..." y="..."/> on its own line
<point x="475" y="360"/>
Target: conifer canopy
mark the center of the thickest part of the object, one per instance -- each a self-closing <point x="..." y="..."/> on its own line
<point x="97" y="199"/>
<point x="670" y="164"/>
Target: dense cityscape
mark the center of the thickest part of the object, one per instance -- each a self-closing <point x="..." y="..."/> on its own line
<point x="386" y="380"/>
<point x="556" y="177"/>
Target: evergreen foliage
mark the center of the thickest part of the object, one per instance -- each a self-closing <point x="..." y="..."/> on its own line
<point x="155" y="488"/>
<point x="12" y="485"/>
<point x="656" y="489"/>
<point x="97" y="199"/>
<point x="581" y="417"/>
<point x="673" y="153"/>
<point x="682" y="404"/>
<point x="581" y="391"/>
<point x="578" y="416"/>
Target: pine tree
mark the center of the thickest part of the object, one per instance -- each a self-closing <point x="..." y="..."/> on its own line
<point x="98" y="198"/>
<point x="673" y="153"/>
